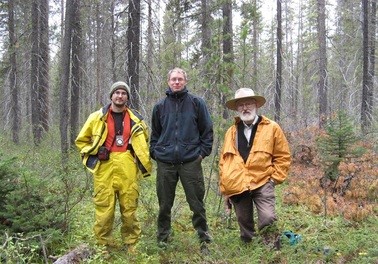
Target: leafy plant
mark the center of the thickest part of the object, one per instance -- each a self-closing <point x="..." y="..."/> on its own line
<point x="17" y="249"/>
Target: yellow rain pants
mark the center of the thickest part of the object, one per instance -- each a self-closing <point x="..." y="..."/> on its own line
<point x="116" y="179"/>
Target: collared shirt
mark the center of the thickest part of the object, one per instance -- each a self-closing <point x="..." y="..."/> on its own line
<point x="248" y="128"/>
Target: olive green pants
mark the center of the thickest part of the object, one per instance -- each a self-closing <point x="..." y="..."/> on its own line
<point x="191" y="176"/>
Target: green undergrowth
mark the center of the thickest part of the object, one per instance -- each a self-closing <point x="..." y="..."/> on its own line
<point x="331" y="240"/>
<point x="323" y="240"/>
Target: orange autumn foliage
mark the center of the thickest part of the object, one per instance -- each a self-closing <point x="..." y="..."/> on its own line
<point x="353" y="195"/>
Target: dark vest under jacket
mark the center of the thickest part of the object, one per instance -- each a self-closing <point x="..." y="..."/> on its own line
<point x="243" y="146"/>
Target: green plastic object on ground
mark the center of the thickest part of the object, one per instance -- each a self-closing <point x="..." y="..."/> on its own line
<point x="292" y="237"/>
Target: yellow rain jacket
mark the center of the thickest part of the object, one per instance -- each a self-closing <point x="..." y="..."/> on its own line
<point x="269" y="159"/>
<point x="116" y="178"/>
<point x="94" y="133"/>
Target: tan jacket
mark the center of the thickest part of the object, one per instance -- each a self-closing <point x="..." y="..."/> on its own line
<point x="269" y="159"/>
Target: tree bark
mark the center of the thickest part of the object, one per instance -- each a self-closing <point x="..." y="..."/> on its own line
<point x="14" y="106"/>
<point x="113" y="42"/>
<point x="368" y="67"/>
<point x="76" y="81"/>
<point x="44" y="64"/>
<point x="205" y="38"/>
<point x="150" y="47"/>
<point x="77" y="255"/>
<point x="227" y="50"/>
<point x="373" y="20"/>
<point x="277" y="93"/>
<point x="34" y="88"/>
<point x="298" y="69"/>
<point x="322" y="84"/>
<point x="255" y="45"/>
<point x="133" y="39"/>
<point x="40" y="69"/>
<point x="64" y="82"/>
<point x="98" y="46"/>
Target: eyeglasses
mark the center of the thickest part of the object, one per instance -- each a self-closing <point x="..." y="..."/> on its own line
<point x="176" y="79"/>
<point x="240" y="106"/>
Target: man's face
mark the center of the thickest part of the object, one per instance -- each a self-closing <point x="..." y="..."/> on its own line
<point x="247" y="109"/>
<point x="176" y="81"/>
<point x="119" y="97"/>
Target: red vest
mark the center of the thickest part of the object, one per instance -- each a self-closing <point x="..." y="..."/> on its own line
<point x="110" y="140"/>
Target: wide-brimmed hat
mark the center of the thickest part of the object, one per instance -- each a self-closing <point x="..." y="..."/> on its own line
<point x="243" y="93"/>
<point x="119" y="85"/>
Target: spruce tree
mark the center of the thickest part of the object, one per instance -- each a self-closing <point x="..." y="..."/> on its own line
<point x="336" y="143"/>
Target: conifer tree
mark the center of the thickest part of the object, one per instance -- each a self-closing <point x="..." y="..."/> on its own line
<point x="336" y="143"/>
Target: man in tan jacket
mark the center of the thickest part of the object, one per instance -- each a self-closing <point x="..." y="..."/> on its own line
<point x="254" y="158"/>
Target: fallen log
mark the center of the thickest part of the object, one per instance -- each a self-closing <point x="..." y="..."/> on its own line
<point x="75" y="256"/>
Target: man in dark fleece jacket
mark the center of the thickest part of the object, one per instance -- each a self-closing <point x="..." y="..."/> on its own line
<point x="182" y="135"/>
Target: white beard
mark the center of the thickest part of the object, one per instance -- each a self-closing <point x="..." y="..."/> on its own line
<point x="248" y="115"/>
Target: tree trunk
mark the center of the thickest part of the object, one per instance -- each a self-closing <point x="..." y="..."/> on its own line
<point x="372" y="55"/>
<point x="98" y="46"/>
<point x="64" y="82"/>
<point x="40" y="69"/>
<point x="113" y="42"/>
<point x="35" y="107"/>
<point x="322" y="84"/>
<point x="298" y="69"/>
<point x="76" y="81"/>
<point x="277" y="93"/>
<point x="368" y="67"/>
<point x="255" y="45"/>
<point x="205" y="40"/>
<point x="44" y="79"/>
<point x="150" y="48"/>
<point x="14" y="106"/>
<point x="227" y="50"/>
<point x="133" y="36"/>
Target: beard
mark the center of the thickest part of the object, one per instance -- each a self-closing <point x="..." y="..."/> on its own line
<point x="119" y="103"/>
<point x="248" y="115"/>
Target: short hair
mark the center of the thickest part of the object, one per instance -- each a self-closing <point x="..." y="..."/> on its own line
<point x="179" y="70"/>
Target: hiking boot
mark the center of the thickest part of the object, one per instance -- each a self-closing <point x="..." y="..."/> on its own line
<point x="204" y="249"/>
<point x="106" y="254"/>
<point x="272" y="240"/>
<point x="162" y="245"/>
<point x="131" y="248"/>
<point x="205" y="237"/>
<point x="246" y="240"/>
<point x="108" y="250"/>
<point x="277" y="244"/>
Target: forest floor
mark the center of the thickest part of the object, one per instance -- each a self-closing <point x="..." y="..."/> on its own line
<point x="325" y="237"/>
<point x="337" y="221"/>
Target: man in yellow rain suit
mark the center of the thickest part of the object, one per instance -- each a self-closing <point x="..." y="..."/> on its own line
<point x="114" y="146"/>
